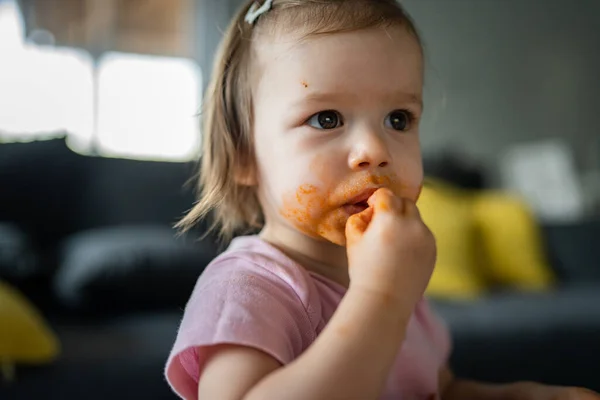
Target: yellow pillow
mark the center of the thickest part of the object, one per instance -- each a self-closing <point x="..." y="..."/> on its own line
<point x="511" y="241"/>
<point x="24" y="336"/>
<point x="447" y="212"/>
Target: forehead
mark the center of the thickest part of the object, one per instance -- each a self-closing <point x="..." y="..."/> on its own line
<point x="373" y="61"/>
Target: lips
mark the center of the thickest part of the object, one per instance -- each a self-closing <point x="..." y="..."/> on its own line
<point x="359" y="203"/>
<point x="363" y="196"/>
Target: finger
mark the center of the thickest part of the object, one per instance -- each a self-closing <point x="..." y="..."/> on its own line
<point x="586" y="394"/>
<point x="384" y="200"/>
<point x="357" y="224"/>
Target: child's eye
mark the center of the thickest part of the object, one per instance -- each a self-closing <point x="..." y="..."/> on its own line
<point x="399" y="120"/>
<point x="326" y="120"/>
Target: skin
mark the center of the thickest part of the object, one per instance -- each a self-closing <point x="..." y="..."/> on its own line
<point x="305" y="177"/>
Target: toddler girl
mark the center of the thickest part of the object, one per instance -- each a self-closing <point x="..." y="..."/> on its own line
<point x="311" y="134"/>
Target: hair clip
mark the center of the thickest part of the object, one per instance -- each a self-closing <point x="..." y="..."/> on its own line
<point x="254" y="12"/>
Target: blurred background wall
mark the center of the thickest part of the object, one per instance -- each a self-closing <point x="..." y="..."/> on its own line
<point x="505" y="72"/>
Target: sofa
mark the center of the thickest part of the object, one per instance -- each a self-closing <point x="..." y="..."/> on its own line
<point x="553" y="336"/>
<point x="94" y="250"/>
<point x="89" y="242"/>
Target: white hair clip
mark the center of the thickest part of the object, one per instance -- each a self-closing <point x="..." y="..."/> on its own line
<point x="254" y="12"/>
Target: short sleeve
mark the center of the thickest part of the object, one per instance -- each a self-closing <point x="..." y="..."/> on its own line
<point x="236" y="301"/>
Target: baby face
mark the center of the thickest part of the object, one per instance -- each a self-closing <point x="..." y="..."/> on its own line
<point x="335" y="118"/>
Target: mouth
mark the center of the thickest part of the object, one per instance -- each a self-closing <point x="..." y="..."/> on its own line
<point x="359" y="203"/>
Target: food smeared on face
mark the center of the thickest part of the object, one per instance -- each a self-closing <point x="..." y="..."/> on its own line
<point x="320" y="207"/>
<point x="323" y="212"/>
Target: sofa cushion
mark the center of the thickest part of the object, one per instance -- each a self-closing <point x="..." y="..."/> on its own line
<point x="133" y="192"/>
<point x="24" y="335"/>
<point x="101" y="358"/>
<point x="129" y="268"/>
<point x="514" y="313"/>
<point x="511" y="241"/>
<point x="574" y="250"/>
<point x="18" y="258"/>
<point x="447" y="211"/>
<point x="40" y="183"/>
<point x="548" y="337"/>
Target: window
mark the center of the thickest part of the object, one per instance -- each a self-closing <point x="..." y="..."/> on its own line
<point x="146" y="106"/>
<point x="42" y="90"/>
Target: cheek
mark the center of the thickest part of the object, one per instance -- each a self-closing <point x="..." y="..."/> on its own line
<point x="408" y="173"/>
<point x="310" y="211"/>
<point x="307" y="200"/>
<point x="308" y="205"/>
<point x="304" y="207"/>
<point x="276" y="174"/>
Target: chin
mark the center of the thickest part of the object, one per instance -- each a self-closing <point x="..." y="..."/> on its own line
<point x="333" y="228"/>
<point x="330" y="227"/>
<point x="337" y="238"/>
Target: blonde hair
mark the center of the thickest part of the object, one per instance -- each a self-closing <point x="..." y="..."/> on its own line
<point x="227" y="147"/>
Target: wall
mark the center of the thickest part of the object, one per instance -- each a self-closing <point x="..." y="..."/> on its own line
<point x="161" y="27"/>
<point x="212" y="18"/>
<point x="506" y="71"/>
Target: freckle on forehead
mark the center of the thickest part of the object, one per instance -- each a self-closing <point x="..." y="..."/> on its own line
<point x="304" y="83"/>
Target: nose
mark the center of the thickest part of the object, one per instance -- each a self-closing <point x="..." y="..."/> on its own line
<point x="369" y="151"/>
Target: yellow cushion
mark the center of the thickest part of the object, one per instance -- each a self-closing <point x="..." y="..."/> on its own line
<point x="24" y="335"/>
<point x="511" y="241"/>
<point x="447" y="213"/>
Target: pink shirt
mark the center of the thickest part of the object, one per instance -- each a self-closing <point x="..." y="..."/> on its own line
<point x="254" y="295"/>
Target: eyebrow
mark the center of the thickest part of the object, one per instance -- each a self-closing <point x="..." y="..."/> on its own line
<point x="325" y="97"/>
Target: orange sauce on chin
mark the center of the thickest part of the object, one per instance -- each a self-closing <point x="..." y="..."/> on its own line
<point x="317" y="209"/>
<point x="320" y="212"/>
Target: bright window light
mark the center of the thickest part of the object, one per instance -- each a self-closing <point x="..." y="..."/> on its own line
<point x="42" y="90"/>
<point x="148" y="106"/>
<point x="11" y="27"/>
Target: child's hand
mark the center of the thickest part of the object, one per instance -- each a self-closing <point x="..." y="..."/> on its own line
<point x="535" y="391"/>
<point x="391" y="252"/>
